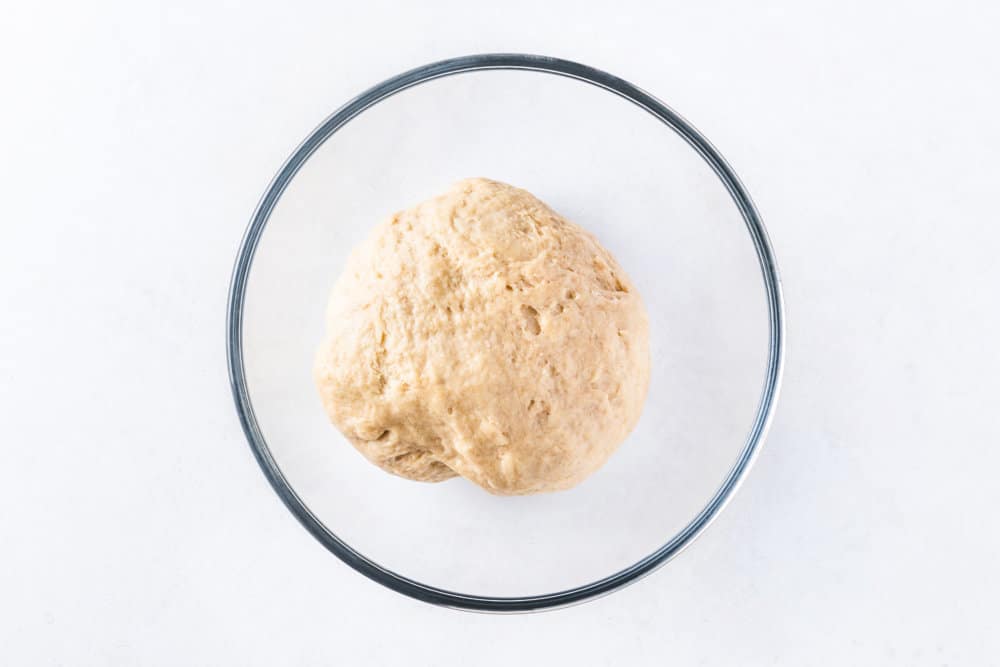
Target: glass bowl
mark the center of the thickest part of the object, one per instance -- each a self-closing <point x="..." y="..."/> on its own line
<point x="605" y="162"/>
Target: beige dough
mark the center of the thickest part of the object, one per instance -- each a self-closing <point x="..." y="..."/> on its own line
<point x="481" y="334"/>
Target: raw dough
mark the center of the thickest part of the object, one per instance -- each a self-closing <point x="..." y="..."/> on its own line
<point x="481" y="334"/>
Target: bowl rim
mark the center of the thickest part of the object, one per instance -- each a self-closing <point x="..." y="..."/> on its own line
<point x="237" y="296"/>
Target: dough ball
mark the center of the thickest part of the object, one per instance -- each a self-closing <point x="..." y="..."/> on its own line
<point x="481" y="334"/>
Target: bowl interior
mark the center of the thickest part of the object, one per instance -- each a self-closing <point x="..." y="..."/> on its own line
<point x="649" y="198"/>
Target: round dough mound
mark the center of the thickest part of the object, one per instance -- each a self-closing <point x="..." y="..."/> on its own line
<point x="481" y="334"/>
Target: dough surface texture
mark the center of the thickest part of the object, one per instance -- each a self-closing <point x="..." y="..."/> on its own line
<point x="481" y="334"/>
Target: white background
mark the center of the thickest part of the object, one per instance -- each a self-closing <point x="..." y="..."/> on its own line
<point x="135" y="527"/>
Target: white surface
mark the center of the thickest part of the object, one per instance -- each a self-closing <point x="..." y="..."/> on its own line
<point x="136" y="527"/>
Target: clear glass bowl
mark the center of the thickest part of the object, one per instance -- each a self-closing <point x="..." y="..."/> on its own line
<point x="608" y="165"/>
